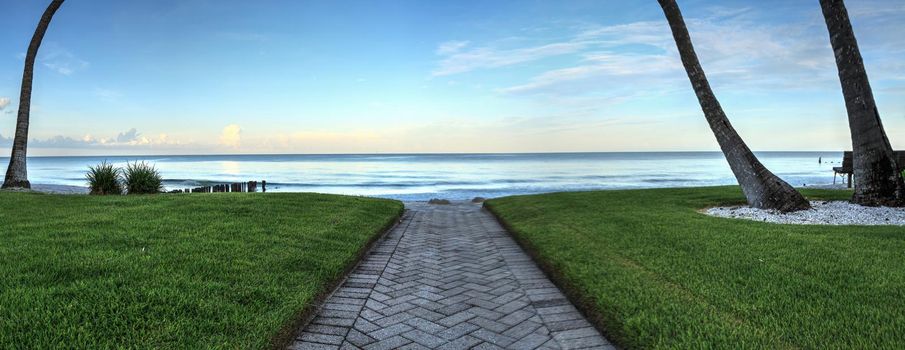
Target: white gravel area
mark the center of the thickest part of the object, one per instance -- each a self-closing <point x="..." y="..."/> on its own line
<point x="823" y="213"/>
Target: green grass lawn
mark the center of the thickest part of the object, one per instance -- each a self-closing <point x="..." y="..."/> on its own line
<point x="661" y="275"/>
<point x="172" y="271"/>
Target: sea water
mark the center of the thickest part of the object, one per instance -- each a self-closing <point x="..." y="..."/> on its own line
<point x="450" y="176"/>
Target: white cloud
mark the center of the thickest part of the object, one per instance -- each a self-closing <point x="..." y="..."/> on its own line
<point x="655" y="34"/>
<point x="603" y="71"/>
<point x="875" y="9"/>
<point x="651" y="33"/>
<point x="130" y="139"/>
<point x="131" y="135"/>
<point x="489" y="57"/>
<point x="62" y="68"/>
<point x="4" y="102"/>
<point x="231" y="136"/>
<point x="60" y="60"/>
<point x="451" y="47"/>
<point x="719" y="11"/>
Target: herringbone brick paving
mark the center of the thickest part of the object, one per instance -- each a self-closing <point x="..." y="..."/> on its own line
<point x="448" y="277"/>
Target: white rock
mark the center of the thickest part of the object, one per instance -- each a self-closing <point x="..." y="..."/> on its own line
<point x="822" y="213"/>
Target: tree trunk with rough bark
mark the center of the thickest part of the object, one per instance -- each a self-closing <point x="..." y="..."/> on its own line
<point x="876" y="180"/>
<point x="16" y="174"/>
<point x="762" y="188"/>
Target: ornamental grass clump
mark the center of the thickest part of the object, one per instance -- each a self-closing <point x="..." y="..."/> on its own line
<point x="142" y="178"/>
<point x="103" y="179"/>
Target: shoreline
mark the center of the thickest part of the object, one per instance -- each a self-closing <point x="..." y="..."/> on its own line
<point x="59" y="189"/>
<point x="75" y="190"/>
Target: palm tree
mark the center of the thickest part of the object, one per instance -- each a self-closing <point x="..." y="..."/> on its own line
<point x="762" y="188"/>
<point x="877" y="183"/>
<point x="16" y="175"/>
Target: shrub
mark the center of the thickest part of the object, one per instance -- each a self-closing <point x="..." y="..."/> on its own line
<point x="104" y="179"/>
<point x="142" y="178"/>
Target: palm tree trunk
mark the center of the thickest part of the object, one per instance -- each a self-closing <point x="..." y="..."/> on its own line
<point x="876" y="179"/>
<point x="16" y="174"/>
<point x="762" y="188"/>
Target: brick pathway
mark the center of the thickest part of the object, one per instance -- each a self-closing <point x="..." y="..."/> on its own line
<point x="448" y="277"/>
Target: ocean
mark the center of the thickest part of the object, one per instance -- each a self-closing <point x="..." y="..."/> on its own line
<point x="452" y="176"/>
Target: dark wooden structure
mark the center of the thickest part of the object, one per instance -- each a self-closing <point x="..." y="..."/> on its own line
<point x="251" y="186"/>
<point x="848" y="169"/>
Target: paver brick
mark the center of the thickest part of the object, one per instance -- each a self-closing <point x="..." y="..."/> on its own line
<point x="424" y="325"/>
<point x="489" y="324"/>
<point x="324" y="329"/>
<point x="387" y="332"/>
<point x="458" y="331"/>
<point x="388" y="344"/>
<point x="312" y="346"/>
<point x="365" y="325"/>
<point x="464" y="342"/>
<point x="348" y="346"/>
<point x="424" y="338"/>
<point x="531" y="341"/>
<point x="525" y="328"/>
<point x="321" y="338"/>
<point x="492" y="337"/>
<point x="453" y="320"/>
<point x="358" y="338"/>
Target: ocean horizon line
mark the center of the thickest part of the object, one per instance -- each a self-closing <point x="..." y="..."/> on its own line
<point x="413" y="154"/>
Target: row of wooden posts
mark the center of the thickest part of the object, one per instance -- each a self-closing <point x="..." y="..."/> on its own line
<point x="251" y="186"/>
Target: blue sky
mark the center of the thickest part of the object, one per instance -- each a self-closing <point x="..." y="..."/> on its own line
<point x="205" y="76"/>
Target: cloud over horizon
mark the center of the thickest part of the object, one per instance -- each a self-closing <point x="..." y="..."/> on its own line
<point x="130" y="139"/>
<point x="231" y="136"/>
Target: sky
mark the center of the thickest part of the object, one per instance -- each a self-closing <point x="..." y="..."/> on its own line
<point x="412" y="76"/>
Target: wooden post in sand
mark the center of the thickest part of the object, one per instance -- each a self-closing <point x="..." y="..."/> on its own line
<point x="250" y="186"/>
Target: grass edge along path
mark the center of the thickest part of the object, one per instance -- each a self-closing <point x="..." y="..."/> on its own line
<point x="652" y="272"/>
<point x="230" y="270"/>
<point x="286" y="335"/>
<point x="583" y="302"/>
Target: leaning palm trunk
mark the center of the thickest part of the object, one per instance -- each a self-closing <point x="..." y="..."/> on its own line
<point x="16" y="174"/>
<point x="762" y="188"/>
<point x="877" y="181"/>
